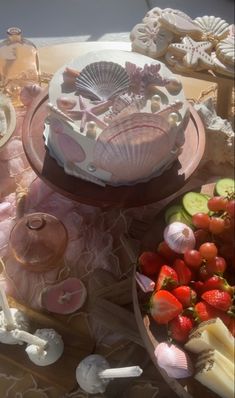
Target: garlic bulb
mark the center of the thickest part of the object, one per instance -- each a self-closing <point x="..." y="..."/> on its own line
<point x="173" y="360"/>
<point x="179" y="237"/>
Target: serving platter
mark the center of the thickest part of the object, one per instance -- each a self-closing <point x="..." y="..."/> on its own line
<point x="151" y="333"/>
<point x="109" y="196"/>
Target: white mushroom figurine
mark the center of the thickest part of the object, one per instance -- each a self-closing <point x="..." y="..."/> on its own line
<point x="10" y="319"/>
<point x="93" y="373"/>
<point x="44" y="347"/>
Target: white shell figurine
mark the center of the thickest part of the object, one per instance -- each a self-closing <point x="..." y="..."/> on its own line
<point x="10" y="318"/>
<point x="45" y="346"/>
<point x="173" y="360"/>
<point x="93" y="373"/>
<point x="7" y="119"/>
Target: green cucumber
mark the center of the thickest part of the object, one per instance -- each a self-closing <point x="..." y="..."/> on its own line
<point x="171" y="211"/>
<point x="194" y="202"/>
<point x="179" y="216"/>
<point x="224" y="187"/>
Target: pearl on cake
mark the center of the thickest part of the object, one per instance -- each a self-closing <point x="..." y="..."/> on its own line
<point x="173" y="118"/>
<point x="93" y="373"/>
<point x="50" y="353"/>
<point x="155" y="103"/>
<point x="91" y="168"/>
<point x="91" y="130"/>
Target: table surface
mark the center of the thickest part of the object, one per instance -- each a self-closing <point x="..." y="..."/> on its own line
<point x="53" y="57"/>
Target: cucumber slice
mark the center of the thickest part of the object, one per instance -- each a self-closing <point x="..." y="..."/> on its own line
<point x="195" y="202"/>
<point x="225" y="186"/>
<point x="172" y="210"/>
<point x="179" y="216"/>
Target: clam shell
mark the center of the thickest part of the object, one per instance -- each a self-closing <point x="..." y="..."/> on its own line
<point x="7" y="119"/>
<point x="213" y="28"/>
<point x="123" y="106"/>
<point x="173" y="360"/>
<point x="102" y="80"/>
<point x="130" y="148"/>
<point x="225" y="51"/>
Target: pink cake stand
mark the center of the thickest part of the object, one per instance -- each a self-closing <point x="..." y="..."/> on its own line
<point x="123" y="196"/>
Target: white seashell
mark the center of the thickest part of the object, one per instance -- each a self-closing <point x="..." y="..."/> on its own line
<point x="52" y="351"/>
<point x="123" y="106"/>
<point x="154" y="14"/>
<point x="7" y="119"/>
<point x="225" y="51"/>
<point x="146" y="284"/>
<point x="173" y="360"/>
<point x="180" y="24"/>
<point x="102" y="80"/>
<point x="65" y="103"/>
<point x="213" y="28"/>
<point x="179" y="237"/>
<point x="130" y="148"/>
<point x="29" y="92"/>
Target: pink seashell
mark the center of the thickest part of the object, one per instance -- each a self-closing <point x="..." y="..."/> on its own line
<point x="64" y="103"/>
<point x="173" y="360"/>
<point x="71" y="149"/>
<point x="132" y="147"/>
<point x="65" y="297"/>
<point x="146" y="284"/>
<point x="102" y="81"/>
<point x="29" y="92"/>
<point x="70" y="75"/>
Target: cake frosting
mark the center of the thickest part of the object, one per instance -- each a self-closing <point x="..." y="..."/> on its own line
<point x="115" y="117"/>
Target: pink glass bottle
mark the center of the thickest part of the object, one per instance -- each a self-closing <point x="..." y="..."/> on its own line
<point x="38" y="242"/>
<point x="19" y="64"/>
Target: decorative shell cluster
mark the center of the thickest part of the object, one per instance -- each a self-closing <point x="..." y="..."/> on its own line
<point x="205" y="43"/>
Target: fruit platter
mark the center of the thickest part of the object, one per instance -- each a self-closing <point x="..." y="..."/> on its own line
<point x="184" y="288"/>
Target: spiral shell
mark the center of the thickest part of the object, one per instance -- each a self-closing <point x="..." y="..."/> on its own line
<point x="102" y="80"/>
<point x="213" y="28"/>
<point x="132" y="147"/>
<point x="174" y="360"/>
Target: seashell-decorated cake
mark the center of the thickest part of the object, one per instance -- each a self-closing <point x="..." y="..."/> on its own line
<point x="115" y="117"/>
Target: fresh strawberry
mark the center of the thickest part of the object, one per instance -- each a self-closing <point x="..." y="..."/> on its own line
<point x="150" y="263"/>
<point x="183" y="272"/>
<point x="180" y="327"/>
<point x="204" y="312"/>
<point x="164" y="306"/>
<point x="217" y="282"/>
<point x="165" y="251"/>
<point x="198" y="287"/>
<point x="218" y="299"/>
<point x="167" y="278"/>
<point x="185" y="295"/>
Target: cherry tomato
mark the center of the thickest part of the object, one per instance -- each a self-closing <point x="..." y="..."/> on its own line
<point x="216" y="225"/>
<point x="193" y="258"/>
<point x="201" y="236"/>
<point x="208" y="250"/>
<point x="217" y="265"/>
<point x="230" y="208"/>
<point x="217" y="203"/>
<point x="201" y="220"/>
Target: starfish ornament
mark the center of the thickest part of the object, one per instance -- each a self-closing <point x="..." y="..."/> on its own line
<point x="195" y="52"/>
<point x="87" y="113"/>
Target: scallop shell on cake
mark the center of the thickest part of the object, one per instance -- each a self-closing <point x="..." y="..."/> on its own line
<point x="225" y="51"/>
<point x="102" y="80"/>
<point x="7" y="119"/>
<point x="131" y="148"/>
<point x="213" y="28"/>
